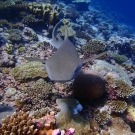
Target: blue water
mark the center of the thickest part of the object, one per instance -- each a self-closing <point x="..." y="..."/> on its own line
<point x="122" y="9"/>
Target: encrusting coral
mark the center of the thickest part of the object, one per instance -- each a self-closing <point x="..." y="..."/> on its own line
<point x="29" y="70"/>
<point x="94" y="46"/>
<point x="18" y="124"/>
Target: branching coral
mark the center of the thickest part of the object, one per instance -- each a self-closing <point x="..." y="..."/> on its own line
<point x="101" y="116"/>
<point x="94" y="46"/>
<point x="29" y="71"/>
<point x="36" y="94"/>
<point x="83" y="35"/>
<point x="124" y="90"/>
<point x="18" y="124"/>
<point x="118" y="106"/>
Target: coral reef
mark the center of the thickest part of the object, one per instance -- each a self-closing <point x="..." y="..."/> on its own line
<point x="118" y="106"/>
<point x="29" y="70"/>
<point x="6" y="60"/>
<point x="102" y="117"/>
<point x="130" y="113"/>
<point x="69" y="116"/>
<point x="94" y="46"/>
<point x="104" y="67"/>
<point x="123" y="89"/>
<point x="15" y="35"/>
<point x="89" y="85"/>
<point x="9" y="48"/>
<point x="83" y="35"/>
<point x="30" y="20"/>
<point x="119" y="58"/>
<point x="28" y="34"/>
<point x="18" y="124"/>
<point x="35" y="95"/>
<point x="44" y="11"/>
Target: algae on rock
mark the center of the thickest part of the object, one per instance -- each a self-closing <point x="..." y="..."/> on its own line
<point x="69" y="117"/>
<point x="29" y="70"/>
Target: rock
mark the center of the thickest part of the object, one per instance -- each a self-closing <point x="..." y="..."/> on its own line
<point x="69" y="117"/>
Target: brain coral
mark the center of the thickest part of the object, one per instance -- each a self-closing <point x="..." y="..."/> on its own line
<point x="94" y="46"/>
<point x="89" y="85"/>
<point x="69" y="116"/>
<point x="18" y="124"/>
<point x="29" y="70"/>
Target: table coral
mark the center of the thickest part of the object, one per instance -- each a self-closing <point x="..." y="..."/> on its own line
<point x="18" y="124"/>
<point x="118" y="106"/>
<point x="29" y="70"/>
<point x="124" y="90"/>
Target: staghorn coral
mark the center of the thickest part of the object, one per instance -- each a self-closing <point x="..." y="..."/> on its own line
<point x="44" y="11"/>
<point x="101" y="116"/>
<point x="18" y="124"/>
<point x="29" y="70"/>
<point x="124" y="90"/>
<point x="119" y="58"/>
<point x="118" y="106"/>
<point x="28" y="34"/>
<point x="94" y="46"/>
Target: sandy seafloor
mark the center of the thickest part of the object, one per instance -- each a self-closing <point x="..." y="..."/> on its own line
<point x="98" y="102"/>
